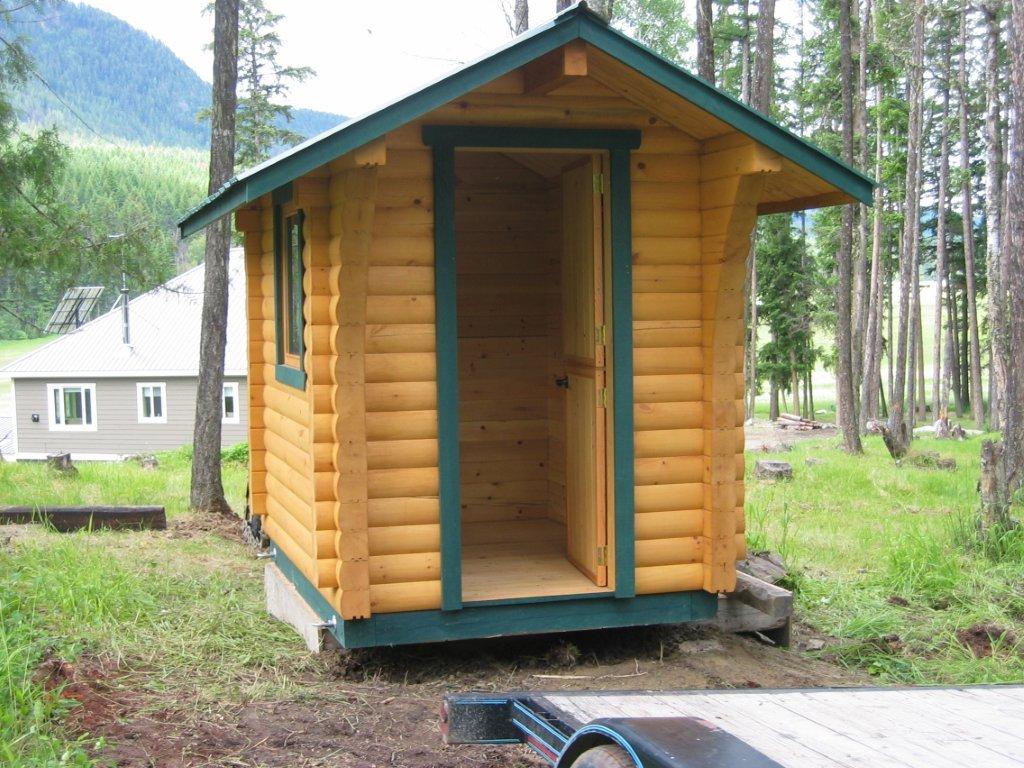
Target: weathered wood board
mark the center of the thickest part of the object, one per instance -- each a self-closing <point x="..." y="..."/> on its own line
<point x="978" y="726"/>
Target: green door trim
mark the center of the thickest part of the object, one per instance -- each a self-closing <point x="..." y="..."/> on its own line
<point x="444" y="140"/>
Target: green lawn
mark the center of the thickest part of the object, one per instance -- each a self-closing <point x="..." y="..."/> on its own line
<point x="884" y="562"/>
<point x="879" y="556"/>
<point x="182" y="607"/>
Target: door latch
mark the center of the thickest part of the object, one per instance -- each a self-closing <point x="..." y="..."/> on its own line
<point x="562" y="382"/>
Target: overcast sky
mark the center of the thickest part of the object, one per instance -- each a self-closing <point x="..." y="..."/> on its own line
<point x="365" y="52"/>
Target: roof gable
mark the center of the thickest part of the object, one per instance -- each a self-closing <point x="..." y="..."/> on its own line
<point x="577" y="23"/>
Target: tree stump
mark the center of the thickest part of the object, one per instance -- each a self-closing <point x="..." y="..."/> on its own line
<point x="773" y="470"/>
<point x="61" y="462"/>
<point x="897" y="442"/>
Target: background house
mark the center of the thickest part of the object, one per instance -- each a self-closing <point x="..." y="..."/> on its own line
<point x="95" y="395"/>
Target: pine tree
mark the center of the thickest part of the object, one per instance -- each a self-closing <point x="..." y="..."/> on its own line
<point x="262" y="85"/>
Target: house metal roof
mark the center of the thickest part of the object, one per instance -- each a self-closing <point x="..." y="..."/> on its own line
<point x="578" y="22"/>
<point x="165" y="328"/>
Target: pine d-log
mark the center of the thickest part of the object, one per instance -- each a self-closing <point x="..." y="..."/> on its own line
<point x="66" y="519"/>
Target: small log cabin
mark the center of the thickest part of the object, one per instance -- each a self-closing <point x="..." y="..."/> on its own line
<point x="496" y="342"/>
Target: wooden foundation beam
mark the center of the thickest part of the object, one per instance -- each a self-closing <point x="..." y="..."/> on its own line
<point x="66" y="519"/>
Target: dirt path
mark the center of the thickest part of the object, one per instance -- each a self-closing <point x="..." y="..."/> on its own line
<point x="381" y="708"/>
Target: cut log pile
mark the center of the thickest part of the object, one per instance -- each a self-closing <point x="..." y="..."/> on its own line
<point x="800" y="424"/>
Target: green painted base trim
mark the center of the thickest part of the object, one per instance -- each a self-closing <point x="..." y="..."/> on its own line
<point x="540" y="599"/>
<point x="473" y="622"/>
<point x="304" y="587"/>
<point x="293" y="377"/>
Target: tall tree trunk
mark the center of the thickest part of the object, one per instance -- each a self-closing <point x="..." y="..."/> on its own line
<point x="562" y="5"/>
<point x="911" y="236"/>
<point x="705" y="42"/>
<point x="992" y="12"/>
<point x="922" y="403"/>
<point x="846" y="404"/>
<point x="938" y="403"/>
<point x="745" y="78"/>
<point x="871" y="379"/>
<point x="911" y="364"/>
<point x="952" y="334"/>
<point x="761" y="99"/>
<point x="764" y="58"/>
<point x="860" y="262"/>
<point x="966" y="370"/>
<point x="207" y="487"/>
<point x="1013" y="335"/>
<point x="890" y="345"/>
<point x="973" y="350"/>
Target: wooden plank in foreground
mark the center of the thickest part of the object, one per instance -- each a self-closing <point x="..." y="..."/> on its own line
<point x="894" y="728"/>
<point x="66" y="519"/>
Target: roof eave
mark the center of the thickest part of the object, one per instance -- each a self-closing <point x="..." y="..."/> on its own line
<point x="578" y="23"/>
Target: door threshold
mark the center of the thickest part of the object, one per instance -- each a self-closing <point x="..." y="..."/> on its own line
<point x="537" y="599"/>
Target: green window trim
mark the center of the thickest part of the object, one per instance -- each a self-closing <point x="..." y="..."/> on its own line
<point x="288" y="235"/>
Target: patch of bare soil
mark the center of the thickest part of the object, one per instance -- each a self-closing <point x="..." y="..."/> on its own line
<point x="981" y="639"/>
<point x="761" y="434"/>
<point x="226" y="525"/>
<point x="380" y="708"/>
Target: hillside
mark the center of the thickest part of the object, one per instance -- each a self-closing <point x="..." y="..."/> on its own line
<point x="124" y="83"/>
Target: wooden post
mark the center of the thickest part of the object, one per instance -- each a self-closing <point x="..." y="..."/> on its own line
<point x="351" y="234"/>
<point x="732" y="178"/>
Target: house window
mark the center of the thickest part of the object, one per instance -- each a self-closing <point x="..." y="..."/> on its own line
<point x="72" y="407"/>
<point x="152" y="399"/>
<point x="230" y="403"/>
<point x="289" y="272"/>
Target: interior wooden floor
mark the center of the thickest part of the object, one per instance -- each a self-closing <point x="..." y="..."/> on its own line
<point x="519" y="559"/>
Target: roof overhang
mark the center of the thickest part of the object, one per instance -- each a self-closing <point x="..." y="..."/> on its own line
<point x="577" y="23"/>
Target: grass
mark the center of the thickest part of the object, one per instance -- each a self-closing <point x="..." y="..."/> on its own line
<point x="177" y="610"/>
<point x="879" y="559"/>
<point x="884" y="561"/>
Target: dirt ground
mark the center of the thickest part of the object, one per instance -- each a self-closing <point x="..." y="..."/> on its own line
<point x="764" y="435"/>
<point x="380" y="708"/>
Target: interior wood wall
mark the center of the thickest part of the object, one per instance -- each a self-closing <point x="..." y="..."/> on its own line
<point x="505" y="248"/>
<point x="296" y="442"/>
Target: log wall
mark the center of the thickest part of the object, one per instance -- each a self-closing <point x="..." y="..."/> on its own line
<point x="346" y="472"/>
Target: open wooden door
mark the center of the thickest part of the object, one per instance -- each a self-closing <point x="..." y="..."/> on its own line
<point x="583" y="347"/>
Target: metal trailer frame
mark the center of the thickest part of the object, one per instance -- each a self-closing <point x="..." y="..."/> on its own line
<point x="976" y="725"/>
<point x="651" y="742"/>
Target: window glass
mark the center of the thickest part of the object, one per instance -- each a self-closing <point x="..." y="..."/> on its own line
<point x="294" y="283"/>
<point x="230" y="403"/>
<point x="72" y="406"/>
<point x="151" y="402"/>
<point x="73" y="410"/>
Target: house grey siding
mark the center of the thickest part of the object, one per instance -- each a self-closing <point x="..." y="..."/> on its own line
<point x="118" y="430"/>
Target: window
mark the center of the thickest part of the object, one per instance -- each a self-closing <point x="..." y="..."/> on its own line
<point x="230" y="403"/>
<point x="72" y="407"/>
<point x="152" y="400"/>
<point x="289" y="272"/>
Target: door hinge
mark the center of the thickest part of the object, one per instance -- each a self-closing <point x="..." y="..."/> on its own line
<point x="599" y="183"/>
<point x="601" y="334"/>
<point x="602" y="555"/>
<point x="602" y="397"/>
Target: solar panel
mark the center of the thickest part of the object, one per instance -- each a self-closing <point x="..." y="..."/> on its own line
<point x="74" y="309"/>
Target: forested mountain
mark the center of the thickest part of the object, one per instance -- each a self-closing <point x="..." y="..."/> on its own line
<point x="125" y="84"/>
<point x="123" y="188"/>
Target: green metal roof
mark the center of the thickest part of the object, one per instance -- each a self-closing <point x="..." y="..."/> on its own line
<point x="576" y="23"/>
